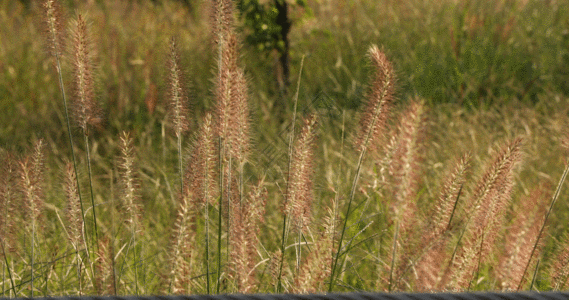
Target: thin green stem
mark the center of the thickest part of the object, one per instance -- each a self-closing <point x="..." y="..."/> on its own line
<point x="88" y="152"/>
<point x="393" y="254"/>
<point x="290" y="146"/>
<point x="220" y="210"/>
<point x="348" y="211"/>
<point x="378" y="110"/>
<point x="207" y="247"/>
<point x="71" y="145"/>
<point x="555" y="196"/>
<point x="32" y="256"/>
<point x="134" y="259"/>
<point x="180" y="163"/>
<point x="7" y="265"/>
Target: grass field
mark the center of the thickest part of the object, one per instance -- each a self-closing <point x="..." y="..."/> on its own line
<point x="143" y="149"/>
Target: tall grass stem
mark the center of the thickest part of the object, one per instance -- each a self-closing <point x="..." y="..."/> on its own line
<point x="290" y="147"/>
<point x="553" y="200"/>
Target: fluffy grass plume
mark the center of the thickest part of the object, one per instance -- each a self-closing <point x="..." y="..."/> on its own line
<point x="54" y="27"/>
<point x="406" y="208"/>
<point x="520" y="239"/>
<point x="31" y="183"/>
<point x="130" y="187"/>
<point x="488" y="208"/>
<point x="244" y="241"/>
<point x="432" y="246"/>
<point x="372" y="126"/>
<point x="299" y="194"/>
<point x="85" y="110"/>
<point x="178" y="104"/>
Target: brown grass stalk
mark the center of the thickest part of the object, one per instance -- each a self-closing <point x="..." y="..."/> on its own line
<point x="559" y="270"/>
<point x="379" y="102"/>
<point x="405" y="169"/>
<point x="224" y="36"/>
<point x="129" y="184"/>
<point x="222" y="20"/>
<point x="73" y="211"/>
<point x="54" y="27"/>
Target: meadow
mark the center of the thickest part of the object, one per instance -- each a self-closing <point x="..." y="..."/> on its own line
<point x="147" y="148"/>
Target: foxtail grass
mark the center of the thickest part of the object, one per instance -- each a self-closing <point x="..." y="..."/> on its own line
<point x="178" y="104"/>
<point x="252" y="254"/>
<point x="434" y="235"/>
<point x="31" y="187"/>
<point x="561" y="267"/>
<point x="523" y="235"/>
<point x="244" y="242"/>
<point x="85" y="110"/>
<point x="56" y="36"/>
<point x="405" y="169"/>
<point x="299" y="198"/>
<point x="371" y="128"/>
<point x="280" y="255"/>
<point x="8" y="194"/>
<point x="200" y="175"/>
<point x="224" y="36"/>
<point x="74" y="224"/>
<point x="487" y="209"/>
<point x="131" y="199"/>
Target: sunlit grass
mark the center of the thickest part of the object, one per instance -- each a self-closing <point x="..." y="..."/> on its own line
<point x="485" y="77"/>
